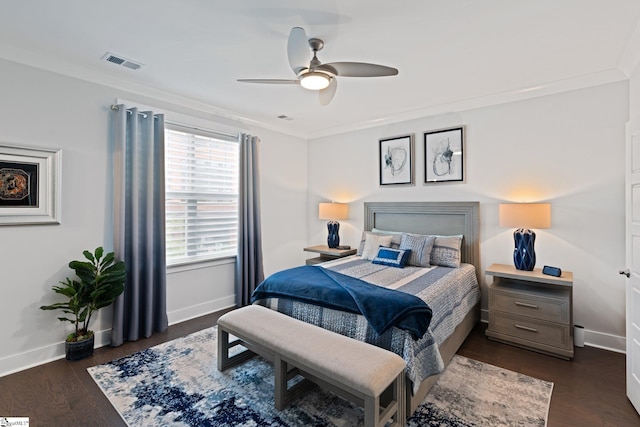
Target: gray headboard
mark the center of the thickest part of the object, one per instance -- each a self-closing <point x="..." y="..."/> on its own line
<point x="444" y="218"/>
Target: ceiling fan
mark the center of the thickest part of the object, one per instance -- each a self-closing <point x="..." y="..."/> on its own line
<point x="314" y="75"/>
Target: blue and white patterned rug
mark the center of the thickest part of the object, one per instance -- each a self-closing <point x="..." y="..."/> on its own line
<point x="177" y="384"/>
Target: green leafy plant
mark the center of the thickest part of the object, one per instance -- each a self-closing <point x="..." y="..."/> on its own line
<point x="99" y="282"/>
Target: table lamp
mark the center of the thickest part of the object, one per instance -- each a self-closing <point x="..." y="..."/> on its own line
<point x="333" y="212"/>
<point x="524" y="217"/>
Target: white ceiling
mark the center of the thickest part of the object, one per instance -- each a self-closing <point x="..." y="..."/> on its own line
<point x="448" y="52"/>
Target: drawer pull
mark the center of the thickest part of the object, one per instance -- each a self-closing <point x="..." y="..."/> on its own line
<point x="524" y="304"/>
<point x="525" y="328"/>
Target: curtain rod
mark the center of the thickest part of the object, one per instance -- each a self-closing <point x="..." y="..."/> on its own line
<point x="116" y="108"/>
<point x="184" y="126"/>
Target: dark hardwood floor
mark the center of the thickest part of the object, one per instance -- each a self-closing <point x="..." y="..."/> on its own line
<point x="588" y="391"/>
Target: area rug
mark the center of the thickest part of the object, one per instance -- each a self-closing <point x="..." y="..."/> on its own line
<point x="177" y="384"/>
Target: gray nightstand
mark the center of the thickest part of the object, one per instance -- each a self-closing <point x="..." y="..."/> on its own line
<point x="531" y="310"/>
<point x="327" y="254"/>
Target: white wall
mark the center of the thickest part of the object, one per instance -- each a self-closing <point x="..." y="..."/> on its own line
<point x="567" y="149"/>
<point x="44" y="109"/>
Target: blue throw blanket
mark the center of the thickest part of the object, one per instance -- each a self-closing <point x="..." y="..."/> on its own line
<point x="383" y="308"/>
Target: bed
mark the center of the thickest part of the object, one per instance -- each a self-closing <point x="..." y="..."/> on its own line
<point x="427" y="355"/>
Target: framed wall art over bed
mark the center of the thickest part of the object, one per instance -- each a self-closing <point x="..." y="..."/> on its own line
<point x="444" y="155"/>
<point x="396" y="160"/>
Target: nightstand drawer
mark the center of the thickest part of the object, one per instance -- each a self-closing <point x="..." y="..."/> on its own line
<point x="523" y="304"/>
<point x="523" y="329"/>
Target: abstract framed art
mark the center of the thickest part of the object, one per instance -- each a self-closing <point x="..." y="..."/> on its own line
<point x="444" y="155"/>
<point x="396" y="160"/>
<point x="29" y="185"/>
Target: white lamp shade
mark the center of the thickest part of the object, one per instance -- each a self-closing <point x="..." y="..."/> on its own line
<point x="525" y="215"/>
<point x="333" y="211"/>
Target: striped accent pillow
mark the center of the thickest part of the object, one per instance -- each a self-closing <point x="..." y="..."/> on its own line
<point x="392" y="257"/>
<point x="446" y="251"/>
<point x="420" y="247"/>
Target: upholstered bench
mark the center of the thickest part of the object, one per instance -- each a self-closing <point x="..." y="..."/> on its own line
<point x="355" y="370"/>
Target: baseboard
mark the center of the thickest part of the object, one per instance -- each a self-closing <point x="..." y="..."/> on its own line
<point x="49" y="353"/>
<point x="198" y="310"/>
<point x="595" y="339"/>
<point x="604" y="341"/>
<point x="28" y="359"/>
<point x="41" y="355"/>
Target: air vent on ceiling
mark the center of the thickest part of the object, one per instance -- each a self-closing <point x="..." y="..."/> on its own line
<point x="118" y="60"/>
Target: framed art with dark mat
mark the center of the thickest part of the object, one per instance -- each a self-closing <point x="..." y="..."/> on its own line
<point x="29" y="185"/>
<point x="396" y="160"/>
<point x="444" y="155"/>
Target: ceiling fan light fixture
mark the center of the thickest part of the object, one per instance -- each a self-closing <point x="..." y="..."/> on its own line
<point x="314" y="80"/>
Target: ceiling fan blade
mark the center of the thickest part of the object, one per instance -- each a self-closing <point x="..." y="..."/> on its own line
<point x="326" y="95"/>
<point x="298" y="49"/>
<point x="361" y="69"/>
<point x="327" y="68"/>
<point x="271" y="81"/>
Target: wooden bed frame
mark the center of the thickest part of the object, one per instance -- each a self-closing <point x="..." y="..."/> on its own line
<point x="440" y="218"/>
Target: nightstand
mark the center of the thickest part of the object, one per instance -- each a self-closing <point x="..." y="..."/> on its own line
<point x="531" y="310"/>
<point x="327" y="253"/>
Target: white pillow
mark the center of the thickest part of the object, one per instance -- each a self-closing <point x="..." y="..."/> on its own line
<point x="372" y="243"/>
<point x="394" y="240"/>
<point x="396" y="236"/>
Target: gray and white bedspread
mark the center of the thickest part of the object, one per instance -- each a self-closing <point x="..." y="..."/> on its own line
<point x="450" y="292"/>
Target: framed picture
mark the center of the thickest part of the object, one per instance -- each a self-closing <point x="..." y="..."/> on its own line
<point x="444" y="155"/>
<point x="29" y="185"/>
<point x="396" y="160"/>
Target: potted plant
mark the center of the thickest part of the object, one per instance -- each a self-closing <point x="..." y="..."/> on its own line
<point x="99" y="282"/>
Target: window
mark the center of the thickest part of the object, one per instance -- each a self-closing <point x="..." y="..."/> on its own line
<point x="201" y="171"/>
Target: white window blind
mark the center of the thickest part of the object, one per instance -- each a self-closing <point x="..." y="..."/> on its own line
<point x="201" y="194"/>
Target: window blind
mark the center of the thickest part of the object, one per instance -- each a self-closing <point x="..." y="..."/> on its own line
<point x="201" y="174"/>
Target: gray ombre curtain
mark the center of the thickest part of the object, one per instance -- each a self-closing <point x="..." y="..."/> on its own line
<point x="139" y="223"/>
<point x="249" y="271"/>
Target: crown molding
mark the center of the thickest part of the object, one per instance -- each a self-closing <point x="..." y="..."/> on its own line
<point x="56" y="65"/>
<point x="580" y="82"/>
<point x="105" y="78"/>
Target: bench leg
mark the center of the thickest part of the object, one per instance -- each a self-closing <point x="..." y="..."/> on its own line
<point x="280" y="380"/>
<point x="224" y="361"/>
<point x="377" y="416"/>
<point x="371" y="411"/>
<point x="284" y="394"/>
<point x="400" y="390"/>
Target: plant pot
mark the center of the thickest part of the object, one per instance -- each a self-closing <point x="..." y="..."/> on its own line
<point x="79" y="349"/>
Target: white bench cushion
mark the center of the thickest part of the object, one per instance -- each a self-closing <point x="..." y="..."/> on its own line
<point x="359" y="365"/>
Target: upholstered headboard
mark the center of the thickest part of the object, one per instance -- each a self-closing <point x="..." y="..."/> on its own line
<point x="442" y="218"/>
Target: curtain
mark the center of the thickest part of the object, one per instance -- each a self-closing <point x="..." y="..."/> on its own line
<point x="139" y="223"/>
<point x="249" y="270"/>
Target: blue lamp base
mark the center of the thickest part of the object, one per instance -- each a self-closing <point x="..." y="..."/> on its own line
<point x="524" y="255"/>
<point x="333" y="240"/>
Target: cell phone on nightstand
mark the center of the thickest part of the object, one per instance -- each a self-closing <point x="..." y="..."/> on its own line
<point x="551" y="271"/>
